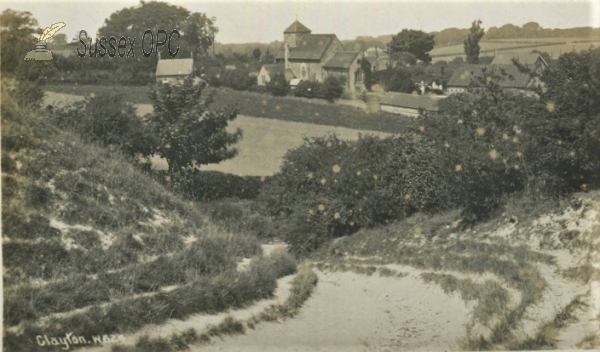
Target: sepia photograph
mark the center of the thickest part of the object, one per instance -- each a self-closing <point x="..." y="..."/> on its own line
<point x="309" y="175"/>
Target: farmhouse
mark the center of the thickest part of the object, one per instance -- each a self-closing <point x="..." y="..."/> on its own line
<point x="267" y="72"/>
<point x="503" y="65"/>
<point x="511" y="78"/>
<point x="173" y="71"/>
<point x="409" y="104"/>
<point x="532" y="61"/>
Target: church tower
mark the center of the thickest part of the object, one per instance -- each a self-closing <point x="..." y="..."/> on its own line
<point x="292" y="34"/>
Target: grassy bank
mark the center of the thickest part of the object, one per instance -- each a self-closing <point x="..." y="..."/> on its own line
<point x="94" y="246"/>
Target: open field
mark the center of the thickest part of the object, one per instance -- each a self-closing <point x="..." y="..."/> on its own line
<point x="264" y="144"/>
<point x="553" y="46"/>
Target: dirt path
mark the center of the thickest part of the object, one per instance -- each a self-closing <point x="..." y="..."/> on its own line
<point x="352" y="312"/>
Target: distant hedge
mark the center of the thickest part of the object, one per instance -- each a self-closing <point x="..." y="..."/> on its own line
<point x="210" y="185"/>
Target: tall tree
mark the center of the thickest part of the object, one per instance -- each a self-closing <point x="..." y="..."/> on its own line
<point x="17" y="31"/>
<point x="196" y="29"/>
<point x="472" y="42"/>
<point x="188" y="132"/>
<point x="256" y="54"/>
<point x="415" y="42"/>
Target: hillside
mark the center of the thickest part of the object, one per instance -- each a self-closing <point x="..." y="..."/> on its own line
<point x="94" y="248"/>
<point x="527" y="279"/>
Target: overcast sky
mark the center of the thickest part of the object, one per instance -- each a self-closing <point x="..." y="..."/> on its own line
<point x="264" y="21"/>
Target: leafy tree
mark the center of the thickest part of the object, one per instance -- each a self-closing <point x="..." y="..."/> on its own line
<point x="396" y="80"/>
<point x="196" y="29"/>
<point x="256" y="54"/>
<point x="59" y="40"/>
<point x="566" y="121"/>
<point x="17" y="31"/>
<point x="188" y="132"/>
<point x="108" y="119"/>
<point x="268" y="57"/>
<point x="278" y="86"/>
<point x="415" y="42"/>
<point x="471" y="44"/>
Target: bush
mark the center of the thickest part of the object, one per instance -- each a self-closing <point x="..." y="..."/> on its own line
<point x="210" y="185"/>
<point x="108" y="119"/>
<point x="332" y="89"/>
<point x="306" y="89"/>
<point x="238" y="79"/>
<point x="278" y="86"/>
<point x="329" y="188"/>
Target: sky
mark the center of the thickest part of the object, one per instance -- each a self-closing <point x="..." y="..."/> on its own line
<point x="264" y="21"/>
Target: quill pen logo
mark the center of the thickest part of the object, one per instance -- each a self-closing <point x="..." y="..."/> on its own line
<point x="41" y="53"/>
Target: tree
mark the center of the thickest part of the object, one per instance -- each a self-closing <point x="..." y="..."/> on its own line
<point x="17" y="31"/>
<point x="189" y="133"/>
<point x="396" y="80"/>
<point x="59" y="39"/>
<point x="256" y="54"/>
<point x="278" y="86"/>
<point x="415" y="42"/>
<point x="196" y="29"/>
<point x="472" y="42"/>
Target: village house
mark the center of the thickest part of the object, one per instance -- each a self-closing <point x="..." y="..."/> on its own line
<point x="409" y="104"/>
<point x="173" y="71"/>
<point x="512" y="77"/>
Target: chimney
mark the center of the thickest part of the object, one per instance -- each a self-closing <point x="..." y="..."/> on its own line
<point x="286" y="54"/>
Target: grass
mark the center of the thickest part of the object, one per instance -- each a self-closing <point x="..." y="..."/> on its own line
<point x="291" y="109"/>
<point x="302" y="287"/>
<point x="546" y="337"/>
<point x="83" y="228"/>
<point x="491" y="297"/>
<point x="357" y="268"/>
<point x="266" y="106"/>
<point x="431" y="243"/>
<point x="132" y="94"/>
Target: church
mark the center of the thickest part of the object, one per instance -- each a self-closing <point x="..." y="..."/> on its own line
<point x="314" y="57"/>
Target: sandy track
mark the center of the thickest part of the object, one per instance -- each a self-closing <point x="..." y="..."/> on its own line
<point x="352" y="312"/>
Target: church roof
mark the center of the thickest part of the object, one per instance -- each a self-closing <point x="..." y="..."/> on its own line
<point x="511" y="76"/>
<point x="342" y="59"/>
<point x="297" y="27"/>
<point x="174" y="67"/>
<point x="309" y="47"/>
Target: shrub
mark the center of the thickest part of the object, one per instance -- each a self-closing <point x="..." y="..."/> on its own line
<point x="238" y="79"/>
<point x="108" y="119"/>
<point x="329" y="188"/>
<point x="332" y="89"/>
<point x="278" y="86"/>
<point x="306" y="89"/>
<point x="210" y="185"/>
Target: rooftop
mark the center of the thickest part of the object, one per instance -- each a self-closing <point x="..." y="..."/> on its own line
<point x="510" y="75"/>
<point x="174" y="67"/>
<point x="342" y="59"/>
<point x="309" y="47"/>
